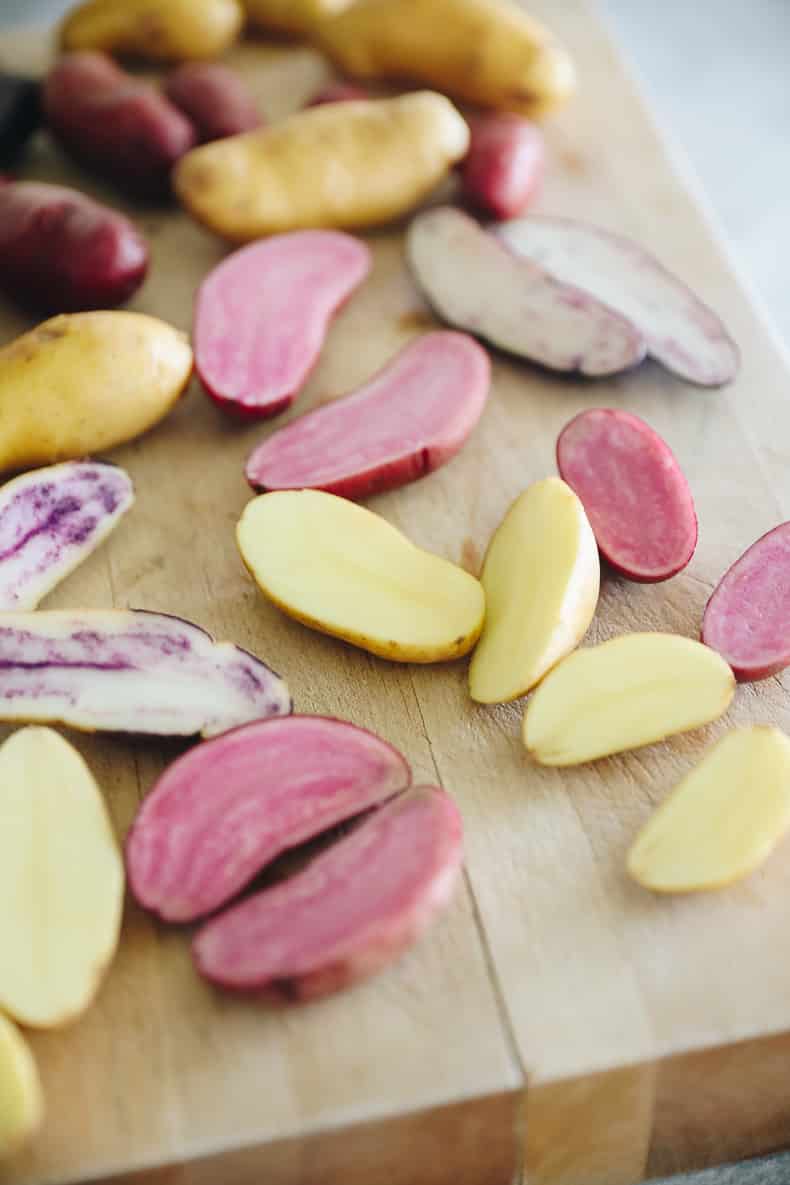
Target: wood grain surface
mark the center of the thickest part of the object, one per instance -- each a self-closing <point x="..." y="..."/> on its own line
<point x="559" y="1018"/>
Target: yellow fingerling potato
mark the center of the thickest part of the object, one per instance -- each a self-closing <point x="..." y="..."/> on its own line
<point x="291" y="16"/>
<point x="21" y="1101"/>
<point x="345" y="571"/>
<point x="160" y="30"/>
<point x="488" y="52"/>
<point x="722" y="820"/>
<point x="83" y="382"/>
<point x="341" y="165"/>
<point x="61" y="880"/>
<point x="540" y="575"/>
<point x="625" y="693"/>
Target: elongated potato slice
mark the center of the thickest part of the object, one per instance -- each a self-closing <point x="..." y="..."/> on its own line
<point x="345" y="571"/>
<point x="722" y="820"/>
<point x="625" y="693"/>
<point x="21" y="1100"/>
<point x="61" y="880"/>
<point x="541" y="576"/>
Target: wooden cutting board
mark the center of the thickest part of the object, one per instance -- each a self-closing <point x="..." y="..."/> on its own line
<point x="560" y="1022"/>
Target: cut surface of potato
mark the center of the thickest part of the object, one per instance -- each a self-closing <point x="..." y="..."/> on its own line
<point x="343" y="570"/>
<point x="625" y="693"/>
<point x="747" y="619"/>
<point x="61" y="880"/>
<point x="681" y="332"/>
<point x="541" y="577"/>
<point x="633" y="490"/>
<point x="21" y="1100"/>
<point x="473" y="282"/>
<point x="722" y="820"/>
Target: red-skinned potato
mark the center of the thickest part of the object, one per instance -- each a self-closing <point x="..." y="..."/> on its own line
<point x="62" y="252"/>
<point x="114" y="124"/>
<point x="409" y="419"/>
<point x="634" y="492"/>
<point x="338" y="91"/>
<point x="503" y="170"/>
<point x="214" y="98"/>
<point x="262" y="314"/>
<point x="747" y="619"/>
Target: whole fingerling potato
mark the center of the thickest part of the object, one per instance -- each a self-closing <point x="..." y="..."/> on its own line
<point x="387" y="154"/>
<point x="485" y="51"/>
<point x="114" y="124"/>
<point x="160" y="30"/>
<point x="214" y="98"/>
<point x="84" y="382"/>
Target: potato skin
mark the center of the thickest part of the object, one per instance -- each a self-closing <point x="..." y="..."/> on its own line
<point x="389" y="152"/>
<point x="158" y="30"/>
<point x="295" y="17"/>
<point x="484" y="51"/>
<point x="84" y="382"/>
<point x="113" y="124"/>
<point x="214" y="98"/>
<point x="62" y="252"/>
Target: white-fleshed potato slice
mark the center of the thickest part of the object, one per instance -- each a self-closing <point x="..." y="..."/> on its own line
<point x="21" y="1100"/>
<point x="346" y="571"/>
<point x="722" y="820"/>
<point x="625" y="693"/>
<point x="61" y="880"/>
<point x="540" y="576"/>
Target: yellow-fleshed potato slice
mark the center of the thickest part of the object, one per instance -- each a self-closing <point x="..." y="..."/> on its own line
<point x="61" y="880"/>
<point x="722" y="820"/>
<point x="21" y="1100"/>
<point x="343" y="570"/>
<point x="625" y="693"/>
<point x="541" y="576"/>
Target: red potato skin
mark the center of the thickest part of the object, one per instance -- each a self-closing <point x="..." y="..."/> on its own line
<point x="606" y="430"/>
<point x="338" y="92"/>
<point x="62" y="252"/>
<point x="504" y="168"/>
<point x="746" y="611"/>
<point x="214" y="98"/>
<point x="114" y="125"/>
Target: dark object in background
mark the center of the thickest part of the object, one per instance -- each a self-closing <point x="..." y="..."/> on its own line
<point x="115" y="125"/>
<point x="20" y="114"/>
<point x="214" y="98"/>
<point x="63" y="252"/>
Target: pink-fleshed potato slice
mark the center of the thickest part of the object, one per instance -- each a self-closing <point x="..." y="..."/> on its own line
<point x="747" y="619"/>
<point x="262" y="315"/>
<point x="681" y="332"/>
<point x="409" y="419"/>
<point x="634" y="492"/>
<point x="351" y="911"/>
<point x="475" y="283"/>
<point x="226" y="809"/>
<point x="503" y="170"/>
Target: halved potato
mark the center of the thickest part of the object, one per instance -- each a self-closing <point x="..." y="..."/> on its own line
<point x="540" y="575"/>
<point x="625" y="693"/>
<point x="21" y="1101"/>
<point x="345" y="571"/>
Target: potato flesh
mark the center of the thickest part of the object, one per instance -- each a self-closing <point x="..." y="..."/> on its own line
<point x="722" y="820"/>
<point x="21" y="1102"/>
<point x="625" y="693"/>
<point x="345" y="571"/>
<point x="61" y="879"/>
<point x="541" y="578"/>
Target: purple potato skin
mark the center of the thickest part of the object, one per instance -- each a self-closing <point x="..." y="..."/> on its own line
<point x="62" y="252"/>
<point x="20" y="115"/>
<point x="214" y="98"/>
<point x="115" y="125"/>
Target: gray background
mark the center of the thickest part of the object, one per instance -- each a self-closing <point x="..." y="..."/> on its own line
<point x="717" y="73"/>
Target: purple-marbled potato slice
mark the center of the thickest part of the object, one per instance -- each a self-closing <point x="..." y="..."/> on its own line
<point x="681" y="332"/>
<point x="475" y="283"/>
<point x="226" y="809"/>
<point x="130" y="671"/>
<point x="51" y="520"/>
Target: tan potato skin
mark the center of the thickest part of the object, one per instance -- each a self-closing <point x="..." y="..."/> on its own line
<point x="484" y="51"/>
<point x="291" y="16"/>
<point x="160" y="30"/>
<point x="342" y="165"/>
<point x="82" y="383"/>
